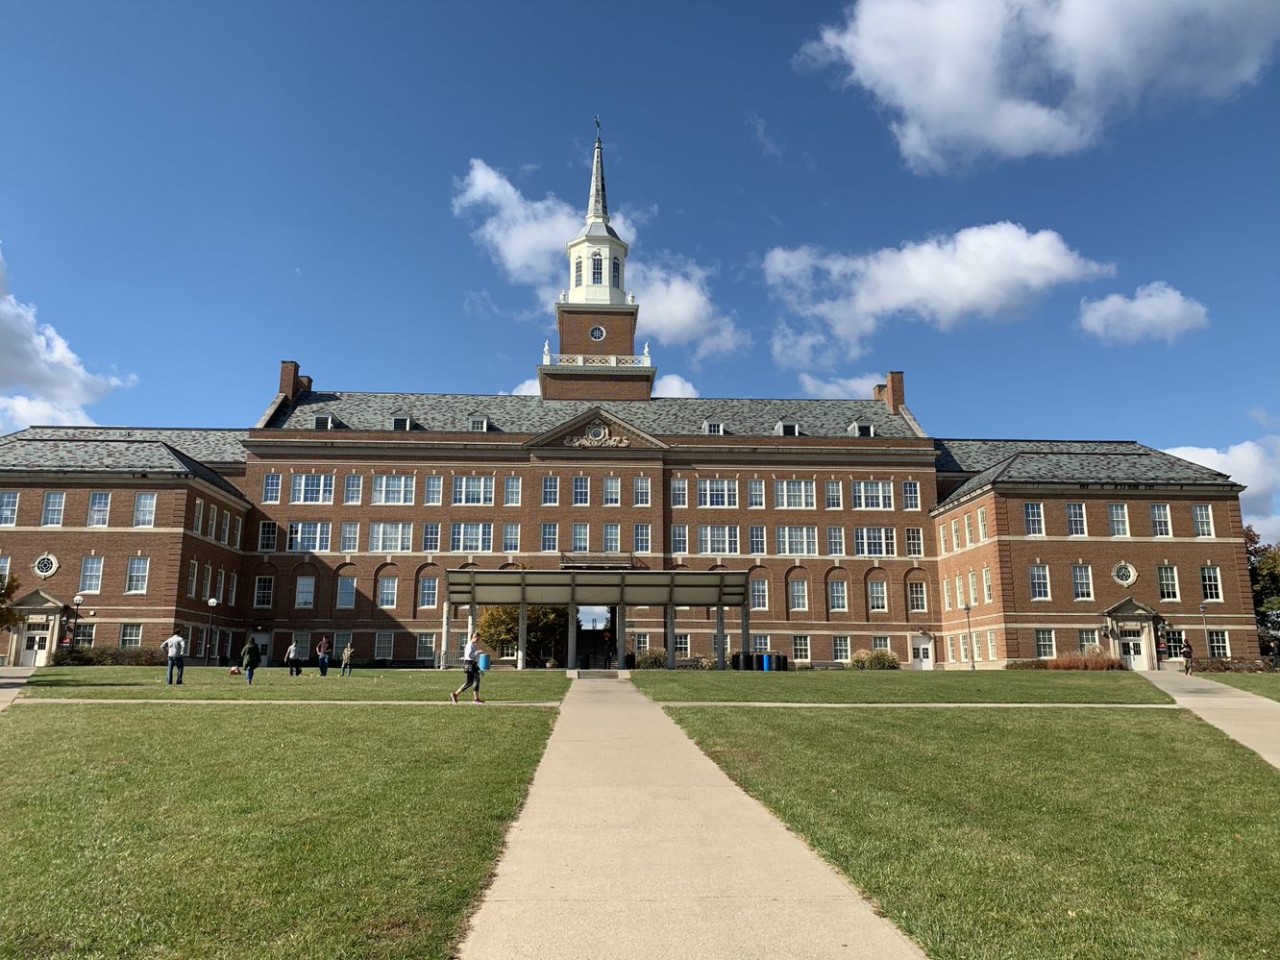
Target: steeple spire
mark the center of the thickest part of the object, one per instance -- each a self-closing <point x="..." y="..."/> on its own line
<point x="597" y="206"/>
<point x="597" y="255"/>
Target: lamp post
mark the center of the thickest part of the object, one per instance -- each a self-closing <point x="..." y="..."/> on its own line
<point x="75" y="619"/>
<point x="208" y="640"/>
<point x="968" y="630"/>
<point x="1204" y="625"/>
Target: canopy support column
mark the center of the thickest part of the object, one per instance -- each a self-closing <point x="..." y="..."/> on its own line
<point x="671" y="637"/>
<point x="442" y="654"/>
<point x="746" y="633"/>
<point x="523" y="641"/>
<point x="620" y="637"/>
<point x="572" y="655"/>
<point x="720" y="637"/>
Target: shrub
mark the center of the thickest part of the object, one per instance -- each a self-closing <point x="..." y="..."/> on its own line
<point x="652" y="660"/>
<point x="874" y="660"/>
<point x="1092" y="659"/>
<point x="1228" y="665"/>
<point x="1027" y="665"/>
<point x="109" y="657"/>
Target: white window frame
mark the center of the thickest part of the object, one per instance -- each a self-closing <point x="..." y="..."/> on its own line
<point x="877" y="596"/>
<point x="344" y="595"/>
<point x="838" y="596"/>
<point x="641" y="492"/>
<point x="137" y="575"/>
<point x="910" y="494"/>
<point x="1040" y="586"/>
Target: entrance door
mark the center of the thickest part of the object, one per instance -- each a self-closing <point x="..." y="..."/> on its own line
<point x="263" y="640"/>
<point x="1131" y="654"/>
<point x="35" y="649"/>
<point x="920" y="657"/>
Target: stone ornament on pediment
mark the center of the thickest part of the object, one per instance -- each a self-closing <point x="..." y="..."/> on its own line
<point x="596" y="434"/>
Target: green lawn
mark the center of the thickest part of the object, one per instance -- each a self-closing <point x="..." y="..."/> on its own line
<point x="274" y="683"/>
<point x="1263" y="684"/>
<point x="897" y="686"/>
<point x="1036" y="835"/>
<point x="240" y="831"/>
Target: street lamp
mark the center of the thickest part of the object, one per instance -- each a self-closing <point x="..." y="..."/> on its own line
<point x="1204" y="624"/>
<point x="208" y="640"/>
<point x="968" y="629"/>
<point x="75" y="618"/>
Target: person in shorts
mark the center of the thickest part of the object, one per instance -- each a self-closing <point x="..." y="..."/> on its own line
<point x="471" y="663"/>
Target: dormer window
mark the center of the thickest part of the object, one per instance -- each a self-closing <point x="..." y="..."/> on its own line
<point x="861" y="429"/>
<point x="617" y="274"/>
<point x="401" y="423"/>
<point x="324" y="422"/>
<point x="577" y="272"/>
<point x="787" y="428"/>
<point x="597" y="268"/>
<point x="478" y="424"/>
<point x="713" y="428"/>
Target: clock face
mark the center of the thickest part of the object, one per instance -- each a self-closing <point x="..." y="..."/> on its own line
<point x="597" y="333"/>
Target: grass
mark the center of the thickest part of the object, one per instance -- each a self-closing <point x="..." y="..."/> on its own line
<point x="274" y="683"/>
<point x="242" y="832"/>
<point x="1263" y="684"/>
<point x="897" y="686"/>
<point x="1037" y="835"/>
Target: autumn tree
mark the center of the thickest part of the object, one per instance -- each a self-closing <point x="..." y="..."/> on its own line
<point x="1264" y="578"/>
<point x="546" y="631"/>
<point x="9" y="618"/>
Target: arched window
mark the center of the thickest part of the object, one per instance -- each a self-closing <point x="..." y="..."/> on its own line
<point x="617" y="273"/>
<point x="577" y="272"/>
<point x="597" y="269"/>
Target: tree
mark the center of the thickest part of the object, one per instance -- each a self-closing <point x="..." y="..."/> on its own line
<point x="546" y="632"/>
<point x="9" y="617"/>
<point x="1264" y="578"/>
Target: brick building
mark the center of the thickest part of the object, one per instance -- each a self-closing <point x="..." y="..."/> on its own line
<point x="341" y="513"/>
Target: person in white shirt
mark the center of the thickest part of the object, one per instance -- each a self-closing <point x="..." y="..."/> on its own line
<point x="292" y="660"/>
<point x="174" y="648"/>
<point x="471" y="662"/>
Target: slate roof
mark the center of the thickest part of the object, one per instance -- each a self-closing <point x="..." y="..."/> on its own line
<point x="204" y="445"/>
<point x="974" y="456"/>
<point x="449" y="413"/>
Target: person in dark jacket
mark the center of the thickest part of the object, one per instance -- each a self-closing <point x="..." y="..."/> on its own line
<point x="250" y="658"/>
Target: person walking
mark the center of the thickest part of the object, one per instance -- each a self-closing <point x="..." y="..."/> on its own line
<point x="323" y="649"/>
<point x="471" y="663"/>
<point x="292" y="661"/>
<point x="1186" y="657"/>
<point x="250" y="657"/>
<point x="174" y="649"/>
<point x="346" y="660"/>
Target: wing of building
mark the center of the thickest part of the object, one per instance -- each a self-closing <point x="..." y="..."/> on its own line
<point x="343" y="514"/>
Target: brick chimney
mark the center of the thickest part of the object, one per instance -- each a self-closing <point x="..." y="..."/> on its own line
<point x="292" y="384"/>
<point x="892" y="392"/>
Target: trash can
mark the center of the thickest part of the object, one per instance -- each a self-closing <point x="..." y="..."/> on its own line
<point x="780" y="662"/>
<point x="735" y="661"/>
<point x="483" y="661"/>
<point x="767" y="663"/>
<point x="630" y="661"/>
<point x="748" y="661"/>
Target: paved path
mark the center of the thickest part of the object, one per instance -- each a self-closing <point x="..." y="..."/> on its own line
<point x="1245" y="717"/>
<point x="180" y="700"/>
<point x="12" y="679"/>
<point x="633" y="845"/>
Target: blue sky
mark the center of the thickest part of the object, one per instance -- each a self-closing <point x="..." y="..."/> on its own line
<point x="1058" y="219"/>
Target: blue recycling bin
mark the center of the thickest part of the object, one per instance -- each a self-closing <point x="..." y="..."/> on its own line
<point x="766" y="663"/>
<point x="483" y="661"/>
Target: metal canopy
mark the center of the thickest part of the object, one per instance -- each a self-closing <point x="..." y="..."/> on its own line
<point x="598" y="588"/>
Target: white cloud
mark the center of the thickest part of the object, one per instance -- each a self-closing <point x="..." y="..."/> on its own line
<point x="1256" y="464"/>
<point x="42" y="381"/>
<point x="809" y="349"/>
<point x="673" y="385"/>
<point x="841" y="388"/>
<point x="1019" y="78"/>
<point x="525" y="388"/>
<point x="767" y="144"/>
<point x="526" y="239"/>
<point x="986" y="272"/>
<point x="1156" y="312"/>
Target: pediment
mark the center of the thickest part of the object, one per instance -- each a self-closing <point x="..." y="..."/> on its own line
<point x="1130" y="609"/>
<point x="37" y="600"/>
<point x="596" y="429"/>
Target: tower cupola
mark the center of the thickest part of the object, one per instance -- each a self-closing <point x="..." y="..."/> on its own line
<point x="597" y="255"/>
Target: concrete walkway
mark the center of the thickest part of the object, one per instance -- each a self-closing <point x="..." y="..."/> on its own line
<point x="12" y="679"/>
<point x="1245" y="717"/>
<point x="634" y="846"/>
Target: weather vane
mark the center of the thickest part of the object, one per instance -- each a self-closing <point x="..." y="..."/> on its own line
<point x="597" y="125"/>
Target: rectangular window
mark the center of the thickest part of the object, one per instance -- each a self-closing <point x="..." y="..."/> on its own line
<point x="99" y="509"/>
<point x="1039" y="581"/>
<point x="682" y="644"/>
<point x="550" y="537"/>
<point x="1077" y="525"/>
<point x="51" y="516"/>
<point x="427" y="647"/>
<point x="226" y="527"/>
<point x="207" y="582"/>
<point x="873" y="495"/>
<point x="613" y="491"/>
<point x="83" y="638"/>
<point x="798" y="541"/>
<point x="130" y="634"/>
<point x="641" y="642"/>
<point x="1044" y="644"/>
<point x="717" y="493"/>
<point x="135" y="580"/>
<point x="550" y="491"/>
<point x="213" y="522"/>
<point x="1167" y="577"/>
<point x="384" y="645"/>
<point x="679" y="493"/>
<point x="874" y="542"/>
<point x="838" y="595"/>
<point x="144" y="510"/>
<point x="312" y="488"/>
<point x="955" y="534"/>
<point x="915" y="542"/>
<point x="582" y="491"/>
<point x="612" y="537"/>
<point x="946" y="594"/>
<point x="982" y="523"/>
<point x="304" y="594"/>
<point x="1086" y="639"/>
<point x="581" y="538"/>
<point x="797" y="594"/>
<point x="910" y="495"/>
<point x="1033" y="516"/>
<point x="9" y="507"/>
<point x="679" y="538"/>
<point x="471" y="538"/>
<point x="4" y="570"/>
<point x="511" y="538"/>
<point x="759" y="594"/>
<point x="840" y="648"/>
<point x="349" y="537"/>
<point x="916" y="601"/>
<point x="717" y="539"/>
<point x="91" y="575"/>
<point x="309" y="537"/>
<point x="345" y="598"/>
<point x="835" y="541"/>
<point x="879" y="643"/>
<point x="433" y="491"/>
<point x="222" y="574"/>
<point x="387" y="587"/>
<point x="193" y="578"/>
<point x="1082" y="581"/>
<point x="640" y="492"/>
<point x="390" y="537"/>
<point x="800" y="649"/>
<point x="1210" y="583"/>
<point x="428" y="591"/>
<point x="973" y="589"/>
<point x="1160" y="520"/>
<point x="239" y="526"/>
<point x="271" y="488"/>
<point x="511" y="491"/>
<point x="1119" y="516"/>
<point x="473" y="491"/>
<point x="877" y="598"/>
<point x="1202" y="514"/>
<point x="1218" y="646"/>
<point x="794" y="494"/>
<point x="835" y="498"/>
<point x="392" y="489"/>
<point x="756" y="540"/>
<point x="755" y="494"/>
<point x="263" y="591"/>
<point x="352" y="488"/>
<point x="986" y="584"/>
<point x="942" y="538"/>
<point x="430" y="538"/>
<point x="641" y="542"/>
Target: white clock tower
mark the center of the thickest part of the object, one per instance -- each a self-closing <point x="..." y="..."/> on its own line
<point x="597" y="255"/>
